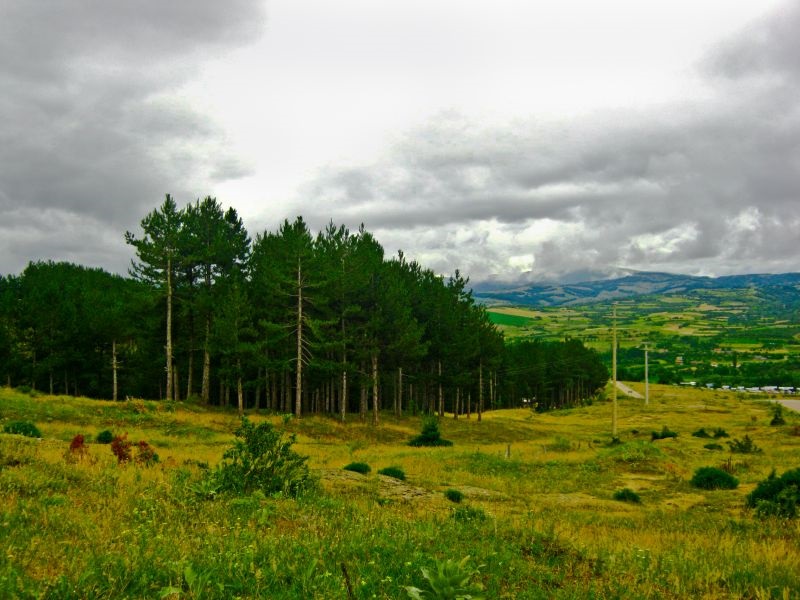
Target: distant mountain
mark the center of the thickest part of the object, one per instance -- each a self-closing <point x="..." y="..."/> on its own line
<point x="635" y="284"/>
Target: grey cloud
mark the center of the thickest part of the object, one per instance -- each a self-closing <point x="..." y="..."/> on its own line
<point x="89" y="128"/>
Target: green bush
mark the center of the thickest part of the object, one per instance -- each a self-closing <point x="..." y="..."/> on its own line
<point x="430" y="435"/>
<point x="25" y="428"/>
<point x="701" y="433"/>
<point x="358" y="467"/>
<point x="104" y="437"/>
<point x="777" y="415"/>
<point x="712" y="446"/>
<point x="712" y="478"/>
<point x="627" y="495"/>
<point x="663" y="434"/>
<point x="395" y="472"/>
<point x="468" y="514"/>
<point x="719" y="432"/>
<point x="454" y="495"/>
<point x="744" y="446"/>
<point x="262" y="459"/>
<point x="777" y="496"/>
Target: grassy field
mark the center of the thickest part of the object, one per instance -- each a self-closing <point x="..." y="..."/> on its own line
<point x="541" y="522"/>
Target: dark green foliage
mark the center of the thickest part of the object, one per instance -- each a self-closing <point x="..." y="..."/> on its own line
<point x="663" y="434"/>
<point x="22" y="428"/>
<point x="358" y="467"/>
<point x="454" y="495"/>
<point x="468" y="514"/>
<point x="719" y="432"/>
<point x="712" y="478"/>
<point x="777" y="415"/>
<point x="777" y="496"/>
<point x="744" y="446"/>
<point x="627" y="495"/>
<point x="712" y="446"/>
<point x="701" y="433"/>
<point x="395" y="472"/>
<point x="104" y="437"/>
<point x="261" y="458"/>
<point x="430" y="435"/>
<point x="449" y="581"/>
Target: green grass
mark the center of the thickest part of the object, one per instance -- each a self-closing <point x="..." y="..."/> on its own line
<point x="542" y="521"/>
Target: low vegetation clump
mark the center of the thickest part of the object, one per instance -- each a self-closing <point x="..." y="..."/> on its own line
<point x="701" y="433"/>
<point x="777" y="496"/>
<point x="77" y="449"/>
<point x="744" y="446"/>
<point x="719" y="432"/>
<point x="261" y="458"/>
<point x="104" y="437"/>
<point x="454" y="495"/>
<point x="712" y="446"/>
<point x="394" y="472"/>
<point x="430" y="435"/>
<point x="450" y="580"/>
<point x="25" y="428"/>
<point x="468" y="514"/>
<point x="637" y="454"/>
<point x="121" y="448"/>
<point x="663" y="434"/>
<point x="358" y="467"/>
<point x="712" y="478"/>
<point x="627" y="495"/>
<point x="141" y="453"/>
<point x="777" y="415"/>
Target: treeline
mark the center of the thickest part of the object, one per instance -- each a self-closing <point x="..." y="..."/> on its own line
<point x="288" y="321"/>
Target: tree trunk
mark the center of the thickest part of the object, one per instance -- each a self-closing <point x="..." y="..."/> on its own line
<point x="441" y="397"/>
<point x="362" y="400"/>
<point x="480" y="390"/>
<point x="190" y="368"/>
<point x="399" y="391"/>
<point x="239" y="391"/>
<point x="114" y="367"/>
<point x="375" y="389"/>
<point x="298" y="398"/>
<point x="205" y="389"/>
<point x="169" y="329"/>
<point x="176" y="384"/>
<point x="469" y="404"/>
<point x="343" y="397"/>
<point x="458" y="399"/>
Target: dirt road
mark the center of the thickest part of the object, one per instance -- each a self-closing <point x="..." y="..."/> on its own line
<point x="630" y="392"/>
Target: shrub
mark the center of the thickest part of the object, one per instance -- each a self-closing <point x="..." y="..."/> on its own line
<point x="104" y="437"/>
<point x="145" y="454"/>
<point x="777" y="496"/>
<point x="663" y="434"/>
<point x="25" y="428"/>
<point x="468" y="513"/>
<point x="719" y="432"/>
<point x="358" y="467"/>
<point x="430" y="435"/>
<point x="454" y="496"/>
<point x="262" y="459"/>
<point x="395" y="472"/>
<point x="712" y="446"/>
<point x="450" y="581"/>
<point x="77" y="447"/>
<point x="744" y="446"/>
<point x="121" y="448"/>
<point x="777" y="415"/>
<point x="701" y="433"/>
<point x="627" y="495"/>
<point x="712" y="478"/>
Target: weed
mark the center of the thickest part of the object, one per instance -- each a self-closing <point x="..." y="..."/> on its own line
<point x="145" y="454"/>
<point x="701" y="433"/>
<point x="712" y="446"/>
<point x="663" y="434"/>
<point x="395" y="472"/>
<point x="25" y="428"/>
<point x="712" y="478"/>
<point x="121" y="448"/>
<point x="561" y="444"/>
<point x="454" y="496"/>
<point x="358" y="467"/>
<point x="776" y="496"/>
<point x="744" y="446"/>
<point x="719" y="432"/>
<point x="262" y="459"/>
<point x="430" y="435"/>
<point x="636" y="453"/>
<point x="627" y="495"/>
<point x="468" y="514"/>
<point x="77" y="449"/>
<point x="104" y="437"/>
<point x="449" y="581"/>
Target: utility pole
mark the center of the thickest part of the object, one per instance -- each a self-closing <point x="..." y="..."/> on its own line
<point x="614" y="373"/>
<point x="646" y="378"/>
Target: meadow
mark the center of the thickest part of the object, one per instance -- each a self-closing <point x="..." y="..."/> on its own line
<point x="538" y="514"/>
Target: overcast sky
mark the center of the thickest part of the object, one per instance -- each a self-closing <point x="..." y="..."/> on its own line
<point x="513" y="140"/>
